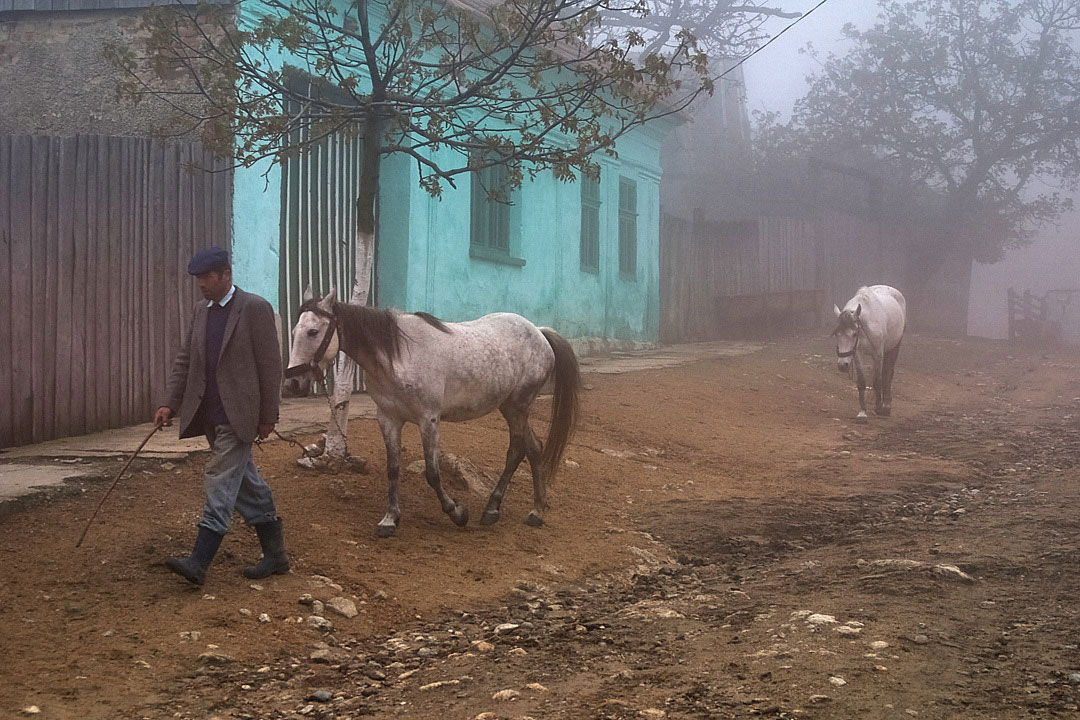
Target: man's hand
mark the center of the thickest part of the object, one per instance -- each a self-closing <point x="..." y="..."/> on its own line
<point x="163" y="416"/>
<point x="264" y="430"/>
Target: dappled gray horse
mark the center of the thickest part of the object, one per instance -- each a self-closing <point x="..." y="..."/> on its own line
<point x="421" y="370"/>
<point x="868" y="334"/>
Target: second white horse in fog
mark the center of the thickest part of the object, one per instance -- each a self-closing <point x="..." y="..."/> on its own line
<point x="868" y="334"/>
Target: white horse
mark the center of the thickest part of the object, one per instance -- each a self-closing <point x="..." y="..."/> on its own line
<point x="421" y="370"/>
<point x="868" y="334"/>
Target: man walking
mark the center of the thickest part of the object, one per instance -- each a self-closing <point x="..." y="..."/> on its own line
<point x="225" y="384"/>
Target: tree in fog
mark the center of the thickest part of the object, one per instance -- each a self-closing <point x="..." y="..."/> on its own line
<point x="455" y="87"/>
<point x="721" y="28"/>
<point x="975" y="99"/>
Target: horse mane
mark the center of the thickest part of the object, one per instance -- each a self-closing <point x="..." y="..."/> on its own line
<point x="370" y="330"/>
<point x="432" y="321"/>
<point x="846" y="319"/>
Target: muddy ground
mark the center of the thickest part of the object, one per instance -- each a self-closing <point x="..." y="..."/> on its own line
<point x="722" y="543"/>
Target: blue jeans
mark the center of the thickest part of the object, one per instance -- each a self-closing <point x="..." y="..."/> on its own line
<point x="231" y="482"/>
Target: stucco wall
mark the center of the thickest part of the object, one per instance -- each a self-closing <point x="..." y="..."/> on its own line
<point x="551" y="288"/>
<point x="54" y="79"/>
<point x="423" y="261"/>
<point x="257" y="211"/>
<point x="257" y="229"/>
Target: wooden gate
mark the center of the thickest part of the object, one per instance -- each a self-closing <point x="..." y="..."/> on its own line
<point x="1028" y="315"/>
<point x="319" y="187"/>
<point x="95" y="236"/>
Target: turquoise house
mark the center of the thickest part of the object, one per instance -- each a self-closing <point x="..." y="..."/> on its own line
<point x="580" y="257"/>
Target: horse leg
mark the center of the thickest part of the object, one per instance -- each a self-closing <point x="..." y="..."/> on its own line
<point x="879" y="386"/>
<point x="391" y="432"/>
<point x="890" y="371"/>
<point x="860" y="382"/>
<point x="517" y="422"/>
<point x="535" y="451"/>
<point x="429" y="435"/>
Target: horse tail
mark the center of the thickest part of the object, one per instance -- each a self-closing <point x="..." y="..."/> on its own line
<point x="564" y="403"/>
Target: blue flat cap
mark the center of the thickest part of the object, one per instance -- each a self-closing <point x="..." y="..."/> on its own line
<point x="211" y="259"/>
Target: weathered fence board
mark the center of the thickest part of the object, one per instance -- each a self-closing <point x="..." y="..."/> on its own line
<point x="41" y="315"/>
<point x="20" y="209"/>
<point x="7" y="339"/>
<point x="95" y="233"/>
<point x="102" y="417"/>
<point x="825" y="255"/>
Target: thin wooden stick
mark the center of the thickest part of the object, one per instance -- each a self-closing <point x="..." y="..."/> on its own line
<point x="157" y="427"/>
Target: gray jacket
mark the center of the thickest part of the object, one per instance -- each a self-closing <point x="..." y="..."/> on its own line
<point x="249" y="369"/>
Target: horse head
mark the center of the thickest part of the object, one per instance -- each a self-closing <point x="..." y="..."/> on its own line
<point x="847" y="331"/>
<point x="315" y="344"/>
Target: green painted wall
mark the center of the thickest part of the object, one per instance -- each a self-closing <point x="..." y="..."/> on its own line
<point x="256" y="227"/>
<point x="256" y="230"/>
<point x="423" y="260"/>
<point x="551" y="288"/>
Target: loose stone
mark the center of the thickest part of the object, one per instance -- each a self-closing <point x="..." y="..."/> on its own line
<point x="319" y="623"/>
<point x="343" y="606"/>
<point x="321" y="696"/>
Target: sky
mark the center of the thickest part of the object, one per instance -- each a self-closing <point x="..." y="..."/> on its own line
<point x="776" y="78"/>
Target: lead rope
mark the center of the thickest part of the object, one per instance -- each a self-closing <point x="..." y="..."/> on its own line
<point x="310" y="306"/>
<point x="305" y="452"/>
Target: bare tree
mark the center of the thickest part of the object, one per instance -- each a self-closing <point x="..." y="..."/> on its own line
<point x="455" y="86"/>
<point x="722" y="28"/>
<point x="977" y="100"/>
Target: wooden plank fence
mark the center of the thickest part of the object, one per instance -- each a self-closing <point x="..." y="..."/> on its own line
<point x="712" y="274"/>
<point x="95" y="235"/>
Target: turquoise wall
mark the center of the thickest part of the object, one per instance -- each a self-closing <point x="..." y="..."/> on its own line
<point x="551" y="289"/>
<point x="256" y="229"/>
<point x="423" y="260"/>
<point x="256" y="225"/>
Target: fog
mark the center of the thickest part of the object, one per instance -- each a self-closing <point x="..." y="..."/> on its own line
<point x="776" y="78"/>
<point x="1051" y="262"/>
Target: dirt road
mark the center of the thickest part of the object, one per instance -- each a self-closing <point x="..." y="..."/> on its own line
<point x="723" y="543"/>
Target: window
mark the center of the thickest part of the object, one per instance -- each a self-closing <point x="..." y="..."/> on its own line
<point x="590" y="224"/>
<point x="627" y="227"/>
<point x="494" y="222"/>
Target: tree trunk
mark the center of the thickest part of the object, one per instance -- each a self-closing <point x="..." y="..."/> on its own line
<point x="338" y="430"/>
<point x="939" y="274"/>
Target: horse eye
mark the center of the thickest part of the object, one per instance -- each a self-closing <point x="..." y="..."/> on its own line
<point x="313" y="332"/>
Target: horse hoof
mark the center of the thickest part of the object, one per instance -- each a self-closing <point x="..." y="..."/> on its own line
<point x="885" y="412"/>
<point x="861" y="420"/>
<point x="490" y="517"/>
<point x="534" y="519"/>
<point x="385" y="531"/>
<point x="460" y="515"/>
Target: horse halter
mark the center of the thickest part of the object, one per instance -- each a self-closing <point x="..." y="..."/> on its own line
<point x="314" y="364"/>
<point x="858" y="334"/>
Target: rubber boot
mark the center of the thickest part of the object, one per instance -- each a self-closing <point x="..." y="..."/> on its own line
<point x="274" y="560"/>
<point x="193" y="568"/>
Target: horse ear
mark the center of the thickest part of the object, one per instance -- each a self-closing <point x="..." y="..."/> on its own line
<point x="328" y="301"/>
<point x="836" y="310"/>
<point x="307" y="293"/>
<point x="858" y="310"/>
